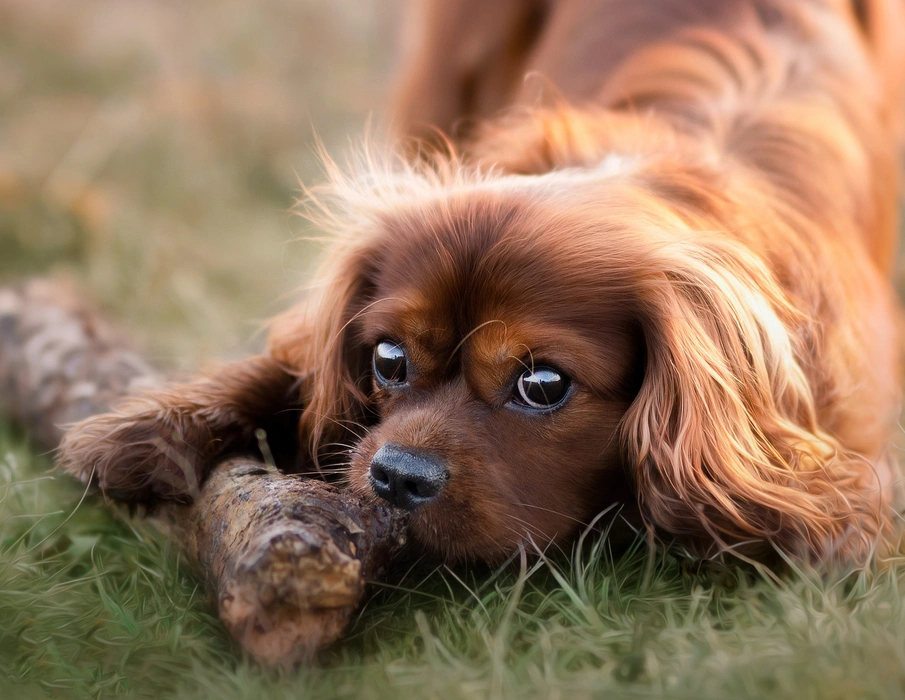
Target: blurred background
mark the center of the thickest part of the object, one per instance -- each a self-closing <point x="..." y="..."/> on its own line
<point x="153" y="150"/>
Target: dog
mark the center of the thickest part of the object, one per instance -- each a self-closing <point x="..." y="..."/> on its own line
<point x="634" y="268"/>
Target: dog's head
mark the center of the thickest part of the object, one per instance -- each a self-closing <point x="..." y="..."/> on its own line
<point x="509" y="356"/>
<point x="498" y="361"/>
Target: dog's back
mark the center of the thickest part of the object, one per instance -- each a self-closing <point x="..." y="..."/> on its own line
<point x="464" y="60"/>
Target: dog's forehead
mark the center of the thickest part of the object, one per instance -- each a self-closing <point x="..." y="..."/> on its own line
<point x="488" y="250"/>
<point x="456" y="258"/>
<point x="478" y="246"/>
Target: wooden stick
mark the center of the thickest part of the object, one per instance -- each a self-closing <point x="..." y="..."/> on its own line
<point x="60" y="361"/>
<point x="287" y="558"/>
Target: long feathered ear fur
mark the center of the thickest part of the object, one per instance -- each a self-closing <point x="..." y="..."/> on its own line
<point x="723" y="438"/>
<point x="317" y="338"/>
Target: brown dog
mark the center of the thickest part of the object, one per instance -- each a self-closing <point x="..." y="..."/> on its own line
<point x="665" y="289"/>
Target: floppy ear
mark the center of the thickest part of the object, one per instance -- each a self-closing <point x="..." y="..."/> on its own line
<point x="317" y="337"/>
<point x="723" y="437"/>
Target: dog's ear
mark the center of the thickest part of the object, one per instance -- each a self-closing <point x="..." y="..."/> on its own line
<point x="723" y="438"/>
<point x="318" y="338"/>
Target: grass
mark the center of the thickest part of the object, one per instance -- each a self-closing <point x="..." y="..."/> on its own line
<point x="151" y="150"/>
<point x="96" y="604"/>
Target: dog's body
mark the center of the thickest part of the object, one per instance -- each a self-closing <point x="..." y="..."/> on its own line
<point x="664" y="290"/>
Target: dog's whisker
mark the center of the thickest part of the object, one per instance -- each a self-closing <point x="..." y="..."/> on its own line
<point x="337" y="337"/>
<point x="471" y="333"/>
<point x="347" y="424"/>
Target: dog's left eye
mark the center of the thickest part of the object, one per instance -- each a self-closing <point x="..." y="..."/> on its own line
<point x="390" y="365"/>
<point x="542" y="387"/>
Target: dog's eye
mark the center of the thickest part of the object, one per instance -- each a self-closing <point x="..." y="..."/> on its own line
<point x="389" y="362"/>
<point x="543" y="387"/>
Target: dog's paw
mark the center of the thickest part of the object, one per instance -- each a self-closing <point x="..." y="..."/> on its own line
<point x="135" y="456"/>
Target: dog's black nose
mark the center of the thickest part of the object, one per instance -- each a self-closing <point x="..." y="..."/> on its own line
<point x="407" y="479"/>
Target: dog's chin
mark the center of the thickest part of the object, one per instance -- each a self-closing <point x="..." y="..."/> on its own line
<point x="454" y="541"/>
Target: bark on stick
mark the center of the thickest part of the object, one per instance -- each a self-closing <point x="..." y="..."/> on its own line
<point x="288" y="558"/>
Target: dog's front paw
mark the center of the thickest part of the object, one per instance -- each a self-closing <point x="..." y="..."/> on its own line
<point x="136" y="457"/>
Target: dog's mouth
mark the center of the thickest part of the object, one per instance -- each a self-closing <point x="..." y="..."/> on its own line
<point x="417" y="481"/>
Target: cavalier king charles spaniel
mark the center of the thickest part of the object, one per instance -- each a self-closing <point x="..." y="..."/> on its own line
<point x="635" y="260"/>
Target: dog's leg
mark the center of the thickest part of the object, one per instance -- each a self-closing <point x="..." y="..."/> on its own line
<point x="159" y="445"/>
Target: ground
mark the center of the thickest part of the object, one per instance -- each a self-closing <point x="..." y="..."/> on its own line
<point x="152" y="150"/>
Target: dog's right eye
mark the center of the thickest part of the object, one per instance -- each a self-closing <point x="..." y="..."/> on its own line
<point x="542" y="388"/>
<point x="389" y="363"/>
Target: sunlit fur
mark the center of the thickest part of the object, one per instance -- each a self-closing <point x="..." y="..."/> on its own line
<point x="699" y="231"/>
